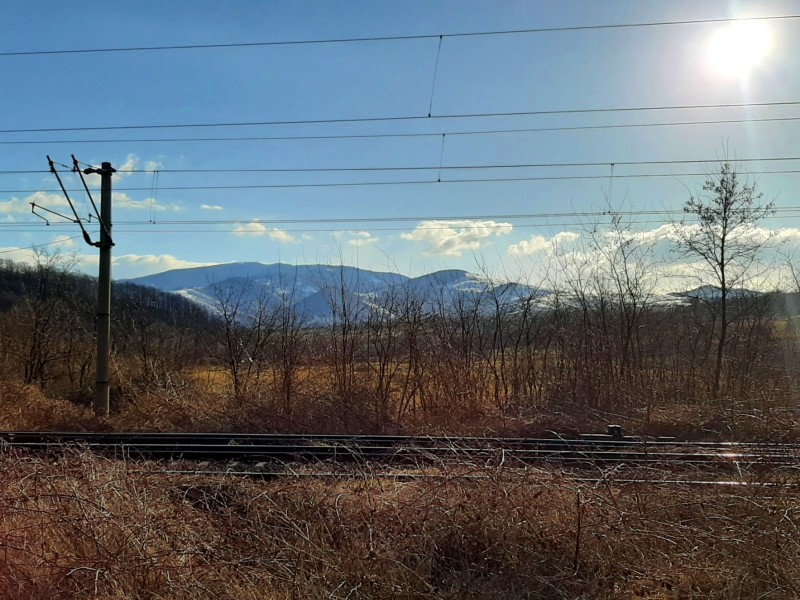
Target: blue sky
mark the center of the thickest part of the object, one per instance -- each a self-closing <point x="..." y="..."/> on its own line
<point x="413" y="228"/>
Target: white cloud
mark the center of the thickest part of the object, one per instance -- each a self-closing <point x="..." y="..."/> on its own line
<point x="651" y="256"/>
<point x="254" y="228"/>
<point x="453" y="238"/>
<point x="93" y="179"/>
<point x="21" y="255"/>
<point x="131" y="162"/>
<point x="666" y="232"/>
<point x="211" y="207"/>
<point x="14" y="205"/>
<point x="56" y="202"/>
<point x="64" y="245"/>
<point x="123" y="267"/>
<point x="362" y="241"/>
<point x="539" y="243"/>
<point x="123" y="201"/>
<point x="279" y="235"/>
<point x="789" y="235"/>
<point x="63" y="242"/>
<point x="770" y="237"/>
<point x="143" y="264"/>
<point x="566" y="237"/>
<point x="536" y="243"/>
<point x="746" y="233"/>
<point x="356" y="238"/>
<point x="123" y="170"/>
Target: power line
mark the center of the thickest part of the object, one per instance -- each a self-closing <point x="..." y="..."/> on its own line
<point x="445" y="221"/>
<point x="398" y="135"/>
<point x="401" y="183"/>
<point x="468" y="167"/>
<point x="155" y="228"/>
<point x="443" y="167"/>
<point x="434" y="223"/>
<point x="402" y="118"/>
<point x="350" y="40"/>
<point x="35" y="246"/>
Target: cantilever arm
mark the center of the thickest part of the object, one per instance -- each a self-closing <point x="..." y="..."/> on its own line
<point x="77" y="169"/>
<point x="77" y="219"/>
<point x="34" y="206"/>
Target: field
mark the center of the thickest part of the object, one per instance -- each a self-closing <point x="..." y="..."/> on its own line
<point x="79" y="526"/>
<point x="197" y="408"/>
<point x="74" y="525"/>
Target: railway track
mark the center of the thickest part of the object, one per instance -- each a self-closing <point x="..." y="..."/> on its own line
<point x="289" y="448"/>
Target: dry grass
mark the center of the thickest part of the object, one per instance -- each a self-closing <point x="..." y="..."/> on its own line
<point x="27" y="408"/>
<point x="86" y="527"/>
<point x="196" y="407"/>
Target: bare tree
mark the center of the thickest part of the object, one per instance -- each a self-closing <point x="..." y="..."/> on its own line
<point x="720" y="230"/>
<point x="48" y="334"/>
<point x="344" y="338"/>
<point x="247" y="325"/>
<point x="157" y="342"/>
<point x="288" y="345"/>
<point x="384" y="358"/>
<point x="412" y="319"/>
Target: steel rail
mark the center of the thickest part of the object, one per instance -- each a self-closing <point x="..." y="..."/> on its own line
<point x="23" y="437"/>
<point x="267" y="475"/>
<point x="343" y="452"/>
<point x="402" y="449"/>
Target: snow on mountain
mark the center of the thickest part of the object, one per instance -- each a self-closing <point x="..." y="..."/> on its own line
<point x="201" y="277"/>
<point x="320" y="293"/>
<point x="451" y="289"/>
<point x="710" y="293"/>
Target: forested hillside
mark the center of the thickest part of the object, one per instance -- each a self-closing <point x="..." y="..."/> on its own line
<point x="460" y="361"/>
<point x="47" y="317"/>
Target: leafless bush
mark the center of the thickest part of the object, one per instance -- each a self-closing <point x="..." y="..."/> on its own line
<point x="80" y="526"/>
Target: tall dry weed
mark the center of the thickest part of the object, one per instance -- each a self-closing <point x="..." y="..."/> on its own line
<point x="79" y="526"/>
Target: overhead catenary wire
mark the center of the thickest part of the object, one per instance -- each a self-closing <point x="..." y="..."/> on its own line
<point x="438" y="167"/>
<point x="411" y="182"/>
<point x="154" y="229"/>
<point x="153" y="194"/>
<point x="395" y="38"/>
<point x="407" y="118"/>
<point x="580" y="220"/>
<point x="445" y="221"/>
<point x="43" y="245"/>
<point x="356" y="136"/>
<point x="487" y="166"/>
<point x="435" y="72"/>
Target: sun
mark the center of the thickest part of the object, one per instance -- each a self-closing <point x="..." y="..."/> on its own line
<point x="739" y="48"/>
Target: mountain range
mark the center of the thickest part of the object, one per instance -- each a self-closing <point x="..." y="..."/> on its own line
<point x="319" y="293"/>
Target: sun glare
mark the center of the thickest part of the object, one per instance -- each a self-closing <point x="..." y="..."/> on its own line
<point x="737" y="49"/>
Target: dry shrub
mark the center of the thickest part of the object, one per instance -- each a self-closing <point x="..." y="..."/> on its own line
<point x="25" y="407"/>
<point x="191" y="409"/>
<point x="79" y="526"/>
<point x="196" y="406"/>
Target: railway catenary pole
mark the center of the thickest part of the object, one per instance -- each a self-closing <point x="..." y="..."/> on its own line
<point x="101" y="393"/>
